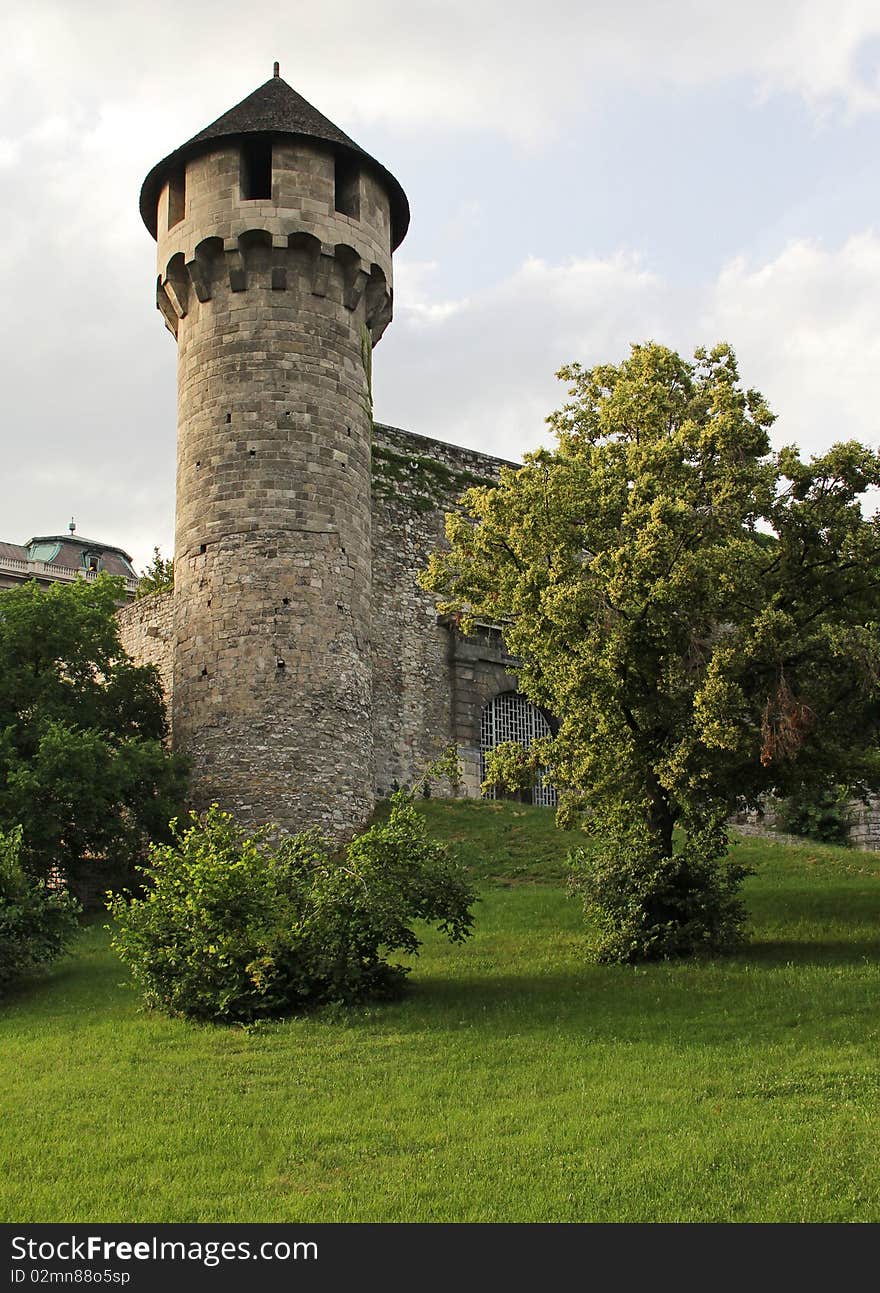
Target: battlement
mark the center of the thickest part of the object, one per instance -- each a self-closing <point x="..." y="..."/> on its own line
<point x="293" y="262"/>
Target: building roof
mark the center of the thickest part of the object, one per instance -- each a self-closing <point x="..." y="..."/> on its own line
<point x="49" y="558"/>
<point x="79" y="541"/>
<point x="274" y="108"/>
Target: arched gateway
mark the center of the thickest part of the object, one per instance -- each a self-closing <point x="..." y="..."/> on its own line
<point x="510" y="717"/>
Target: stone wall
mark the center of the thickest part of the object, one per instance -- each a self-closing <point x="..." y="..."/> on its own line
<point x="481" y="668"/>
<point x="864" y="831"/>
<point x="146" y="630"/>
<point x="429" y="683"/>
<point x="275" y="305"/>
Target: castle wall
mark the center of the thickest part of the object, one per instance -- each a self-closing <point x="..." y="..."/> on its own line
<point x="429" y="683"/>
<point x="864" y="823"/>
<point x="864" y="832"/>
<point x="146" y="631"/>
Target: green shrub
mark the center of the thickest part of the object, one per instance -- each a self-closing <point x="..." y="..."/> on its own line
<point x="819" y="813"/>
<point x="645" y="907"/>
<point x="234" y="926"/>
<point x="37" y="924"/>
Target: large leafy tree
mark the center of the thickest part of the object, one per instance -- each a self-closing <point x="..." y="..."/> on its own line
<point x="85" y="771"/>
<point x="699" y="613"/>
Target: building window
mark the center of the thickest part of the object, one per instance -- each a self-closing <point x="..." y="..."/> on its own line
<point x="510" y="717"/>
<point x="45" y="552"/>
<point x="347" y="182"/>
<point x="176" y="198"/>
<point x="256" y="168"/>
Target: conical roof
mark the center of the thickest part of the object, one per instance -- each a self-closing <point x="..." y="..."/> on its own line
<point x="275" y="108"/>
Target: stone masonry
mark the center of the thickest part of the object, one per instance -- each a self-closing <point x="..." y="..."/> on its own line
<point x="429" y="682"/>
<point x="276" y="288"/>
<point x="146" y="630"/>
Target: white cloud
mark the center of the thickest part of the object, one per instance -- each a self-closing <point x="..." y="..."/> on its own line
<point x="482" y="374"/>
<point x="413" y="280"/>
<point x="805" y="326"/>
<point x="518" y="69"/>
<point x="822" y="51"/>
<point x="806" y="329"/>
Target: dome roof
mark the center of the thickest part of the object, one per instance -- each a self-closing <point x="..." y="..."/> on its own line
<point x="69" y="551"/>
<point x="275" y="108"/>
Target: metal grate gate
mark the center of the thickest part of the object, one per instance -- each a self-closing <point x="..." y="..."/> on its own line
<point x="510" y="717"/>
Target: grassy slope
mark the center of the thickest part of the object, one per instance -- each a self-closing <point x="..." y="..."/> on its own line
<point x="515" y="1082"/>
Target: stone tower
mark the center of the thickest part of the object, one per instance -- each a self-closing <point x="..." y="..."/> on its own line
<point x="275" y="233"/>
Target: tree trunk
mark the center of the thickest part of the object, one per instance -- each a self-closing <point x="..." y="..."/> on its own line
<point x="661" y="821"/>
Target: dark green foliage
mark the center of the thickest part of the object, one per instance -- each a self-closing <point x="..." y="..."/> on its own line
<point x="817" y="812"/>
<point x="235" y="926"/>
<point x="644" y="906"/>
<point x="83" y="766"/>
<point x="157" y="577"/>
<point x="36" y="923"/>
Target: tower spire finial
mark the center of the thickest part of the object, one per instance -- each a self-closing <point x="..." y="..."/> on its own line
<point x="276" y="69"/>
<point x="72" y="525"/>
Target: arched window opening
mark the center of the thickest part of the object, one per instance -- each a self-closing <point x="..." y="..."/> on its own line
<point x="510" y="717"/>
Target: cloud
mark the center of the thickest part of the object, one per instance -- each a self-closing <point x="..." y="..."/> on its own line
<point x="480" y="371"/>
<point x="516" y="69"/>
<point x="806" y="329"/>
<point x="805" y="325"/>
<point x="93" y="94"/>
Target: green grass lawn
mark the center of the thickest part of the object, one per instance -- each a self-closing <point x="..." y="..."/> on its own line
<point x="515" y="1082"/>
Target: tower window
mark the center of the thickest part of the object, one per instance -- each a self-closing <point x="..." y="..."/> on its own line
<point x="347" y="187"/>
<point x="256" y="169"/>
<point x="176" y="198"/>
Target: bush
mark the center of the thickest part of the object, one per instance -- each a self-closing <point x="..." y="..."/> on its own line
<point x="647" y="908"/>
<point x="234" y="927"/>
<point x="37" y="924"/>
<point x="818" y="813"/>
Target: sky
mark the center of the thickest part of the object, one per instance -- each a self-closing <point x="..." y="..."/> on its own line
<point x="583" y="174"/>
